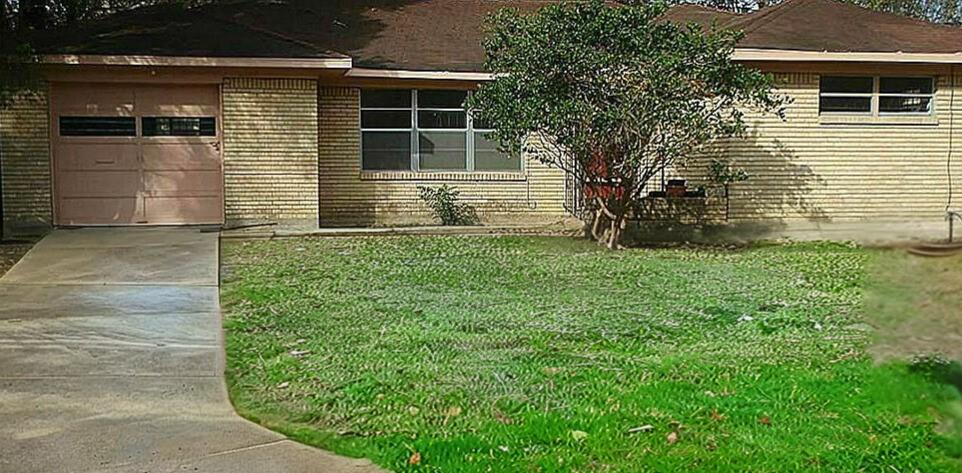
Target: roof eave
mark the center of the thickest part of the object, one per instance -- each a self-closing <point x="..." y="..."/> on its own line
<point x="366" y="73"/>
<point x="783" y="55"/>
<point x="344" y="63"/>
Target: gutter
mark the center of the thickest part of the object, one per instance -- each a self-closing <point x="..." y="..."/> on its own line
<point x="360" y="72"/>
<point x="344" y="63"/>
<point x="784" y="55"/>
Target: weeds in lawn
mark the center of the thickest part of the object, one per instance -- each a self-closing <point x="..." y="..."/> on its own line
<point x="484" y="354"/>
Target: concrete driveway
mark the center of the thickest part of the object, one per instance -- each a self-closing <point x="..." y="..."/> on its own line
<point x="111" y="359"/>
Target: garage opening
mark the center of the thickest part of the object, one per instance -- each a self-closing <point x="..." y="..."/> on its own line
<point x="136" y="154"/>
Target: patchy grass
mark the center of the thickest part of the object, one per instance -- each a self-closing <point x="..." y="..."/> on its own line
<point x="916" y="303"/>
<point x="482" y="354"/>
<point x="10" y="253"/>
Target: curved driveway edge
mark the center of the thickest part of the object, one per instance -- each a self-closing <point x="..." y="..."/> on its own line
<point x="111" y="359"/>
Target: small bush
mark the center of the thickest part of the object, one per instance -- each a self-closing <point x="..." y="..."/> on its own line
<point x="443" y="201"/>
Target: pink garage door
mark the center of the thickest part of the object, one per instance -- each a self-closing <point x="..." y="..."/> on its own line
<point x="136" y="154"/>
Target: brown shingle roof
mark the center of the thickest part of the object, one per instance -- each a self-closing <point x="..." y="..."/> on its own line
<point x="390" y="34"/>
<point x="446" y="34"/>
<point x="704" y="16"/>
<point x="833" y="26"/>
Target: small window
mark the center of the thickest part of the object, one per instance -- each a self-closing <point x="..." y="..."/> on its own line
<point x="846" y="94"/>
<point x="179" y="126"/>
<point x="98" y="126"/>
<point x="876" y="95"/>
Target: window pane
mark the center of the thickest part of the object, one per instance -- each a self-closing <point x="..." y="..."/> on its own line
<point x="455" y="120"/>
<point x="845" y="104"/>
<point x="481" y="124"/>
<point x="179" y="126"/>
<point x="488" y="158"/>
<point x="905" y="85"/>
<point x="98" y="126"/>
<point x="443" y="151"/>
<point x="385" y="119"/>
<point x="441" y="98"/>
<point x="385" y="98"/>
<point x="382" y="151"/>
<point x="841" y="84"/>
<point x="904" y="104"/>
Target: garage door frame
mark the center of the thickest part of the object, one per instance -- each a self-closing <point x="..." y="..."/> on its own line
<point x="217" y="141"/>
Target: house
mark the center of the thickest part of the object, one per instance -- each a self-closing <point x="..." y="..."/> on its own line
<point x="333" y="113"/>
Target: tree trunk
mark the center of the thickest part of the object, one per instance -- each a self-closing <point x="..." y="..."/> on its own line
<point x="609" y="222"/>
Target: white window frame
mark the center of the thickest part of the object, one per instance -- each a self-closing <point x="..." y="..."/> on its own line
<point x="875" y="97"/>
<point x="415" y="132"/>
<point x="879" y="95"/>
<point x="410" y="131"/>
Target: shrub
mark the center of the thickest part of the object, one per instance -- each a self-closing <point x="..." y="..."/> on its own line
<point x="443" y="201"/>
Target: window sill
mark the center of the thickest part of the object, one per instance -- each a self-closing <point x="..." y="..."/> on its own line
<point x="912" y="120"/>
<point x="442" y="176"/>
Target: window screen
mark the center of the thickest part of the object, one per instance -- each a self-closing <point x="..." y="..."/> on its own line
<point x="442" y="151"/>
<point x="846" y="94"/>
<point x="179" y="126"/>
<point x="905" y="94"/>
<point x="98" y="126"/>
<point x="386" y="127"/>
<point x="386" y="151"/>
<point x="488" y="158"/>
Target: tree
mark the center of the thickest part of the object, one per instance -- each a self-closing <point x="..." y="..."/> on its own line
<point x="615" y="95"/>
<point x="21" y="19"/>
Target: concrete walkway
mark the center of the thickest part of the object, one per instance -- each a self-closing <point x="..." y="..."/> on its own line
<point x="111" y="359"/>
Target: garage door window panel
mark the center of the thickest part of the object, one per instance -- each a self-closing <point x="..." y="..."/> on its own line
<point x="97" y="126"/>
<point x="178" y="126"/>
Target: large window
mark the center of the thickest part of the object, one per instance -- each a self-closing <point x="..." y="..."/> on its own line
<point x="876" y="95"/>
<point x="425" y="130"/>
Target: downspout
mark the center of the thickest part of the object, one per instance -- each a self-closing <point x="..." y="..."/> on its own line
<point x="948" y="157"/>
<point x="949" y="214"/>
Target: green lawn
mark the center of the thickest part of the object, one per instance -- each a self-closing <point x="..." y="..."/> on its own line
<point x="491" y="354"/>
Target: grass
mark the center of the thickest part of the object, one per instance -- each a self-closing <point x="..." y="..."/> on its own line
<point x="478" y="354"/>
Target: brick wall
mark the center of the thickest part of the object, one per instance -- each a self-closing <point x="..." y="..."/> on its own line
<point x="813" y="168"/>
<point x="270" y="151"/>
<point x="351" y="197"/>
<point x="25" y="166"/>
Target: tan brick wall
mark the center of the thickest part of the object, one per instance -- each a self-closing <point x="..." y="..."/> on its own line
<point x="25" y="161"/>
<point x="350" y="197"/>
<point x="270" y="151"/>
<point x="806" y="169"/>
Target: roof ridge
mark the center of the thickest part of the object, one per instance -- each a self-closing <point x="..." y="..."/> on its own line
<point x="762" y="17"/>
<point x="708" y="8"/>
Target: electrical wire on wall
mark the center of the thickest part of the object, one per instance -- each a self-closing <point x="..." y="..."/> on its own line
<point x="948" y="157"/>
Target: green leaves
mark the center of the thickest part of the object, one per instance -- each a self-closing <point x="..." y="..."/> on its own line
<point x="616" y="92"/>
